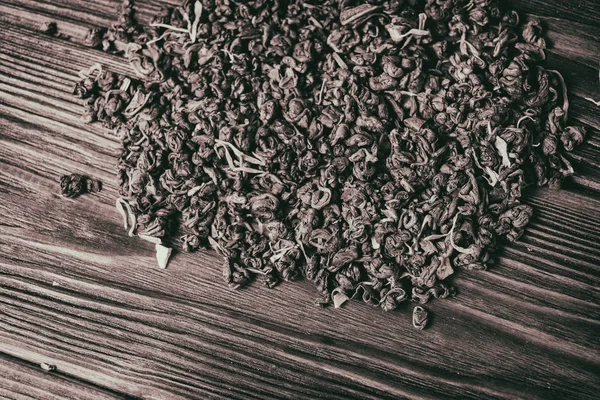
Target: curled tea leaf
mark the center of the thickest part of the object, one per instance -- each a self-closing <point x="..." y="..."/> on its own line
<point x="129" y="217"/>
<point x="572" y="136"/>
<point x="75" y="185"/>
<point x="564" y="93"/>
<point x="121" y="208"/>
<point x="396" y="36"/>
<point x="420" y="317"/>
<point x="338" y="297"/>
<point x="451" y="236"/>
<point x="502" y="148"/>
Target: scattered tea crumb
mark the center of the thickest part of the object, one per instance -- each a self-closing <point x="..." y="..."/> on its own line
<point x="48" y="367"/>
<point x="49" y="28"/>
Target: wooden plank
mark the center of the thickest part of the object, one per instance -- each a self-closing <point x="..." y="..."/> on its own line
<point x="20" y="380"/>
<point x="71" y="15"/>
<point x="76" y="291"/>
<point x="72" y="264"/>
<point x="187" y="340"/>
<point x="578" y="11"/>
<point x="573" y="40"/>
<point x="582" y="81"/>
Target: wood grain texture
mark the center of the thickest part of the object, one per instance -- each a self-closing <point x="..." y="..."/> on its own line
<point x="77" y="293"/>
<point x="22" y="380"/>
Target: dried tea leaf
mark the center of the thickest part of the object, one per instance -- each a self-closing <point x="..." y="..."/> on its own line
<point x="75" y="185"/>
<point x="451" y="236"/>
<point x="350" y="15"/>
<point x="163" y="253"/>
<point x="596" y="102"/>
<point x="339" y="298"/>
<point x="502" y="148"/>
<point x="121" y="205"/>
<point x="492" y="177"/>
<point x="444" y="270"/>
<point x="397" y="36"/>
<point x="419" y="318"/>
<point x="48" y="367"/>
<point x="151" y="239"/>
<point x="129" y="217"/>
<point x="564" y="93"/>
<point x="194" y="190"/>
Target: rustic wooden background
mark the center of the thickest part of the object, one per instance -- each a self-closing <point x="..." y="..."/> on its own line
<point x="78" y="293"/>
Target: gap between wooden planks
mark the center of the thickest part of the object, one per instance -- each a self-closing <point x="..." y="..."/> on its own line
<point x="71" y="294"/>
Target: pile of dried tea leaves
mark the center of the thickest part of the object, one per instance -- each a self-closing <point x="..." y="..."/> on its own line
<point x="371" y="147"/>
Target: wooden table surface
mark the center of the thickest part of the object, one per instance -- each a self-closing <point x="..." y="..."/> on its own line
<point x="76" y="292"/>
